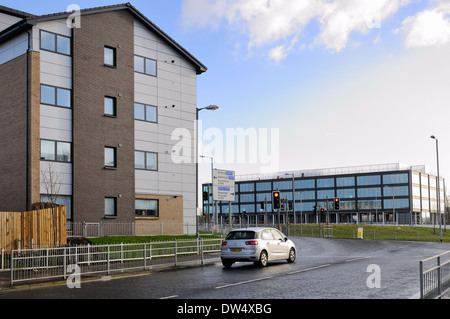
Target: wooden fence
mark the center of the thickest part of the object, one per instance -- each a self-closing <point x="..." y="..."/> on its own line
<point x="38" y="228"/>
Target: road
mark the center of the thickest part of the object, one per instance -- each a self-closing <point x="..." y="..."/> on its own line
<point x="324" y="269"/>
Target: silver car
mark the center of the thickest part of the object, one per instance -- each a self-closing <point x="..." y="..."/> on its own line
<point x="259" y="245"/>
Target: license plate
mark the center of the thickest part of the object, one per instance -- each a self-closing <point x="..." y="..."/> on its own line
<point x="236" y="249"/>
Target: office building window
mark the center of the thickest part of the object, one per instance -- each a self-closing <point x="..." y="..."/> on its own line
<point x="146" y="160"/>
<point x="55" y="43"/>
<point x="110" y="56"/>
<point x="110" y="157"/>
<point x="368" y="180"/>
<point x="110" y="206"/>
<point x="144" y="112"/>
<point x="325" y="182"/>
<point x="144" y="65"/>
<point x="395" y="179"/>
<point x="110" y="106"/>
<point x="56" y="151"/>
<point x="146" y="208"/>
<point x="56" y="96"/>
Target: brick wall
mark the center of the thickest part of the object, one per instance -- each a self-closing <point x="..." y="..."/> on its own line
<point x="13" y="133"/>
<point x="92" y="130"/>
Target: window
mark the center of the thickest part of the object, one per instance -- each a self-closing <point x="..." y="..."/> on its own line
<point x="325" y="182"/>
<point x="323" y="194"/>
<point x="369" y="180"/>
<point x="146" y="160"/>
<point x="110" y="206"/>
<point x="345" y="181"/>
<point x="110" y="106"/>
<point x="56" y="151"/>
<point x="346" y="193"/>
<point x="395" y="179"/>
<point x="144" y="112"/>
<point x="56" y="96"/>
<point x="304" y="183"/>
<point x="144" y="65"/>
<point x="55" y="43"/>
<point x="110" y="157"/>
<point x="110" y="56"/>
<point x="146" y="207"/>
<point x="264" y="186"/>
<point x="369" y="192"/>
<point x="248" y="187"/>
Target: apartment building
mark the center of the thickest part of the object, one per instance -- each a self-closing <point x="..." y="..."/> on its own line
<point x="89" y="102"/>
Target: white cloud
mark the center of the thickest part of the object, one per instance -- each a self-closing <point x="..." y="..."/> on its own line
<point x="269" y="22"/>
<point x="430" y="27"/>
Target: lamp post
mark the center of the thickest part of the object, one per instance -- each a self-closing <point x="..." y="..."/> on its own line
<point x="438" y="188"/>
<point x="212" y="182"/>
<point x="209" y="108"/>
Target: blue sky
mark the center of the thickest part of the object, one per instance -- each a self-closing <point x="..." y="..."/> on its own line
<point x="344" y="82"/>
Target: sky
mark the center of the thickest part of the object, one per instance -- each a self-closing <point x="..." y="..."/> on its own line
<point x="311" y="84"/>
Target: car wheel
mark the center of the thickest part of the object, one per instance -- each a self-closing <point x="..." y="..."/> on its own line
<point x="263" y="259"/>
<point x="291" y="258"/>
<point x="227" y="264"/>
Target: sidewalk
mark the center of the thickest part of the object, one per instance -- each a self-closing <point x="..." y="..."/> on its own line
<point x="183" y="262"/>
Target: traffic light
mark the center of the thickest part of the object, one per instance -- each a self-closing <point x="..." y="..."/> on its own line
<point x="205" y="196"/>
<point x="276" y="200"/>
<point x="336" y="203"/>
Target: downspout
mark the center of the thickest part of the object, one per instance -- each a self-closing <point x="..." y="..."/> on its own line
<point x="28" y="160"/>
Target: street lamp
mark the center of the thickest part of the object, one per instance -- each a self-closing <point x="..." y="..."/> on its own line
<point x="438" y="188"/>
<point x="209" y="108"/>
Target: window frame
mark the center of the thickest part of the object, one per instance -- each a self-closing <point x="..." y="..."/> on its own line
<point x="115" y="157"/>
<point x="145" y="59"/>
<point x="55" y="149"/>
<point x="146" y="106"/>
<point x="114" y="106"/>
<point x="145" y="160"/>
<point x="114" y="207"/>
<point x="114" y="56"/>
<point x="55" y="96"/>
<point x="56" y="36"/>
<point x="156" y="215"/>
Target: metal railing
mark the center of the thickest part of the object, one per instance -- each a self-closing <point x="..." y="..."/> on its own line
<point x="59" y="263"/>
<point x="435" y="280"/>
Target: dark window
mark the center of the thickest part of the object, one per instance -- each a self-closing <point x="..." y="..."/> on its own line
<point x="244" y="234"/>
<point x="146" y="160"/>
<point x="144" y="65"/>
<point x="146" y="207"/>
<point x="110" y="157"/>
<point x="144" y="112"/>
<point x="110" y="206"/>
<point x="55" y="43"/>
<point x="110" y="56"/>
<point x="110" y="106"/>
<point x="56" y="151"/>
<point x="56" y="96"/>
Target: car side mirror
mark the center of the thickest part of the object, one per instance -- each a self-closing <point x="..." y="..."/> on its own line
<point x="285" y="239"/>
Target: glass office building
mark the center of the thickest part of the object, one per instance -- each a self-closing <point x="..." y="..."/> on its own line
<point x="383" y="194"/>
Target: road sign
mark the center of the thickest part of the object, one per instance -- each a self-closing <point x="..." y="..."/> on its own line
<point x="223" y="185"/>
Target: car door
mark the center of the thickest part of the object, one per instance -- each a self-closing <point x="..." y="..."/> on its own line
<point x="269" y="242"/>
<point x="282" y="249"/>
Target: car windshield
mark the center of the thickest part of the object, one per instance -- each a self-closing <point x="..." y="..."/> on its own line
<point x="241" y="234"/>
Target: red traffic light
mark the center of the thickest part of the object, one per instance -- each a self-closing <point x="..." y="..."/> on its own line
<point x="276" y="194"/>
